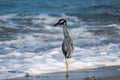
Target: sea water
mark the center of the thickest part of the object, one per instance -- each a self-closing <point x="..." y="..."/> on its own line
<point x="30" y="45"/>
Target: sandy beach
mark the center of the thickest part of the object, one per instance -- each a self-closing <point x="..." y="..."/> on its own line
<point x="104" y="73"/>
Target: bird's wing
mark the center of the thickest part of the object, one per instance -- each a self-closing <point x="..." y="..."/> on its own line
<point x="67" y="46"/>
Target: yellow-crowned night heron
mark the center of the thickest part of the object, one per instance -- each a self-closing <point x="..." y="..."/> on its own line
<point x="67" y="45"/>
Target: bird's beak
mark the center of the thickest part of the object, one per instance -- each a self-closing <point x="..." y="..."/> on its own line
<point x="56" y="24"/>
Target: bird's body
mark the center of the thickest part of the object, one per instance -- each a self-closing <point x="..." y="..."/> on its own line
<point x="67" y="45"/>
<point x="67" y="50"/>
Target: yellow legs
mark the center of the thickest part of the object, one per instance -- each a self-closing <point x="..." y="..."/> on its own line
<point x="67" y="64"/>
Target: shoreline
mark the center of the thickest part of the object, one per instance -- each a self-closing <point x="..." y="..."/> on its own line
<point x="116" y="78"/>
<point x="103" y="73"/>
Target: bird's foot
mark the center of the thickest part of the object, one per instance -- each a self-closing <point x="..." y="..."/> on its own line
<point x="66" y="75"/>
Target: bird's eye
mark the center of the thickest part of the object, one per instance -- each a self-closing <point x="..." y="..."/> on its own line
<point x="61" y="21"/>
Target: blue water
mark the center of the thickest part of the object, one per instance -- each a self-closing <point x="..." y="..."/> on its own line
<point x="29" y="43"/>
<point x="82" y="8"/>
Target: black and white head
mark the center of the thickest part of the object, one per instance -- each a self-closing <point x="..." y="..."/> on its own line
<point x="60" y="22"/>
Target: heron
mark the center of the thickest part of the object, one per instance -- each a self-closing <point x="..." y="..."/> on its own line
<point x="67" y="45"/>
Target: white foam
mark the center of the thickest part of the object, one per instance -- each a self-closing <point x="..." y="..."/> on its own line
<point x="38" y="53"/>
<point x="43" y="18"/>
<point x="7" y="16"/>
<point x="112" y="25"/>
<point x="53" y="61"/>
<point x="46" y="19"/>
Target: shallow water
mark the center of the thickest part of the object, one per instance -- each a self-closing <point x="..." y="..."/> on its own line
<point x="30" y="44"/>
<point x="88" y="74"/>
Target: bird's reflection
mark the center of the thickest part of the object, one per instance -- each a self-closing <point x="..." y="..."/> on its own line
<point x="67" y="77"/>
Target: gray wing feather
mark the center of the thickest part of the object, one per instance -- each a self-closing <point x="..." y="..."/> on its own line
<point x="67" y="47"/>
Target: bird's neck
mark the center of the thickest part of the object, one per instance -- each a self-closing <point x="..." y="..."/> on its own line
<point x="65" y="31"/>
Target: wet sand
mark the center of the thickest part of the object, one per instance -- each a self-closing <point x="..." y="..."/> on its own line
<point x="112" y="79"/>
<point x="104" y="73"/>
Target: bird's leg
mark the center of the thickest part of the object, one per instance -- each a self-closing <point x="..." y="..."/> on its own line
<point x="67" y="64"/>
<point x="67" y="77"/>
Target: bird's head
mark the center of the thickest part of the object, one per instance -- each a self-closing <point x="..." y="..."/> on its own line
<point x="60" y="22"/>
